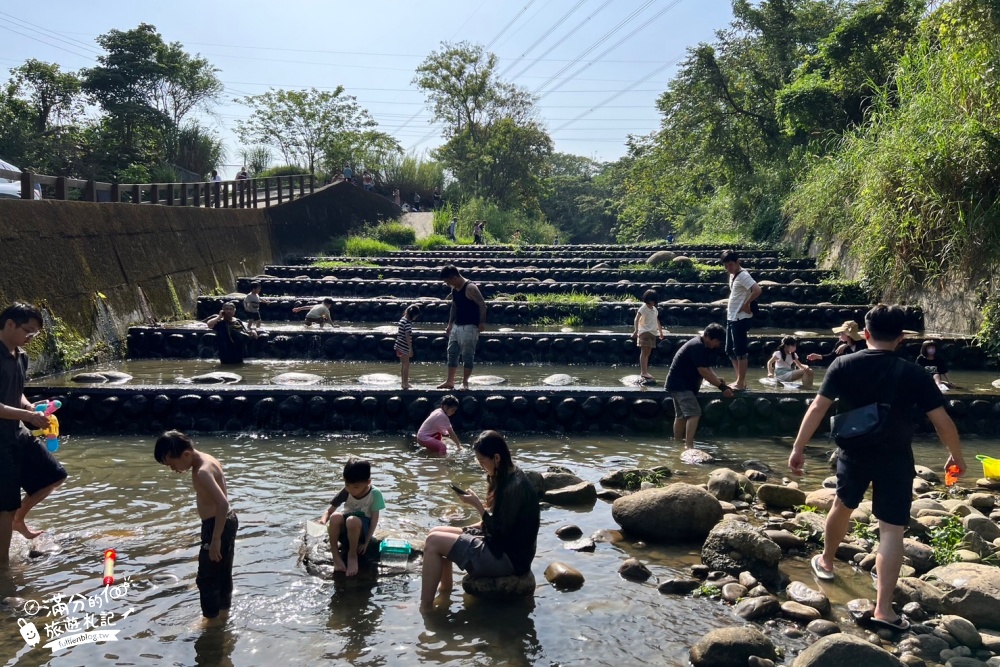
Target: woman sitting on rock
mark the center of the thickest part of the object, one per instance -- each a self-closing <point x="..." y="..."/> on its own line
<point x="503" y="543"/>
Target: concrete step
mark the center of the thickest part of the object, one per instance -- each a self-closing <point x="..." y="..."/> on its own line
<point x="483" y="274"/>
<point x="153" y="409"/>
<point x="412" y="289"/>
<point x="510" y="347"/>
<point x="607" y="313"/>
<point x="557" y="261"/>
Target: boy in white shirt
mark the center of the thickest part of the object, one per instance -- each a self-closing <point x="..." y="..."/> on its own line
<point x="645" y="330"/>
<point x="743" y="291"/>
<point x="318" y="314"/>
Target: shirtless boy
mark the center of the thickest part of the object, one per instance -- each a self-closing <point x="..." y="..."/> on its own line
<point x="218" y="522"/>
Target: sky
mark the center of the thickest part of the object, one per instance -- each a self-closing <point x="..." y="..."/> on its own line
<point x="597" y="66"/>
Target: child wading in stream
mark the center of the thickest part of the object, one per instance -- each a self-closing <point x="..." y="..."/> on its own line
<point x="647" y="327"/>
<point x="404" y="342"/>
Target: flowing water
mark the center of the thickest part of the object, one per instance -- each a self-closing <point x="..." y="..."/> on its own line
<point x="118" y="497"/>
<point x="428" y="374"/>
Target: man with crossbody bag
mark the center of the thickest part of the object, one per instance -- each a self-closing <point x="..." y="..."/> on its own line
<point x="874" y="429"/>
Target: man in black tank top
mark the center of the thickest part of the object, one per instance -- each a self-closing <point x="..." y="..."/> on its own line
<point x="465" y="321"/>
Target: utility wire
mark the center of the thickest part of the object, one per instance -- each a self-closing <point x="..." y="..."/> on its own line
<point x="544" y="35"/>
<point x="569" y="34"/>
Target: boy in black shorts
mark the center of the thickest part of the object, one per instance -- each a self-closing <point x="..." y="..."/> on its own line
<point x="251" y="304"/>
<point x="25" y="462"/>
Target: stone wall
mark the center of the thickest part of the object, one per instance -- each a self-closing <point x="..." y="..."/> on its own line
<point x="101" y="267"/>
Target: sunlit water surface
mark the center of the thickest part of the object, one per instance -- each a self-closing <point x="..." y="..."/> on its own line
<point x="119" y="497"/>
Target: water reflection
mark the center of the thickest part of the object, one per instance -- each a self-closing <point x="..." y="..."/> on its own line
<point x="472" y="634"/>
<point x="214" y="647"/>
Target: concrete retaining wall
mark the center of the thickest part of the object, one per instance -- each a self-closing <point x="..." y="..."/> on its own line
<point x="150" y="410"/>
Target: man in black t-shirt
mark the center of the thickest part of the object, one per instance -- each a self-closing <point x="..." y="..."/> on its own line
<point x="690" y="364"/>
<point x="25" y="462"/>
<point x="230" y="334"/>
<point x="858" y="380"/>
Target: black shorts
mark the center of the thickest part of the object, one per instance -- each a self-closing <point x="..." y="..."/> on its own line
<point x="891" y="479"/>
<point x="253" y="317"/>
<point x="26" y="463"/>
<point x="736" y="338"/>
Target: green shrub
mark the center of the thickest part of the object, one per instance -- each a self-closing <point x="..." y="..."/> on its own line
<point x="433" y="242"/>
<point x="500" y="224"/>
<point x="362" y="246"/>
<point x="394" y="233"/>
<point x="284" y="170"/>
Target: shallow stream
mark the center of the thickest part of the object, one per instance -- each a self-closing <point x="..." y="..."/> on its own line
<point x="119" y="497"/>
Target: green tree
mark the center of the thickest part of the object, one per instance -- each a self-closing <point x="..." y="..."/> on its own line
<point x="303" y="124"/>
<point x="52" y="95"/>
<point x="197" y="149"/>
<point x="187" y="82"/>
<point x="720" y="161"/>
<point x="578" y="198"/>
<point x="493" y="145"/>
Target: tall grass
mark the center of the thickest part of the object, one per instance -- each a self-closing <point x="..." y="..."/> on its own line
<point x="411" y="173"/>
<point x="362" y="246"/>
<point x="393" y="233"/>
<point x="500" y="224"/>
<point x="917" y="188"/>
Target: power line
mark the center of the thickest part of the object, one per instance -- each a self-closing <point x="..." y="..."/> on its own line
<point x="527" y="21"/>
<point x="606" y="36"/>
<point x="55" y="35"/>
<point x="569" y="34"/>
<point x="509" y="24"/>
<point x="545" y="34"/>
<point x="615" y="46"/>
<point x="38" y="39"/>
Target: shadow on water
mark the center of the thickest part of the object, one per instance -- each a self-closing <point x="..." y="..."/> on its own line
<point x="356" y="616"/>
<point x="215" y="646"/>
<point x="482" y="633"/>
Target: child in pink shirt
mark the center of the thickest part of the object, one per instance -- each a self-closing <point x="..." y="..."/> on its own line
<point x="437" y="425"/>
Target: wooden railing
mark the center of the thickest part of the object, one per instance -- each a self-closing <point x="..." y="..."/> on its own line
<point x="249" y="193"/>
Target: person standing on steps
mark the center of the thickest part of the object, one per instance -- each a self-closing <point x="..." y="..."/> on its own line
<point x="743" y="291"/>
<point x="692" y="363"/>
<point x="466" y="321"/>
<point x="876" y="376"/>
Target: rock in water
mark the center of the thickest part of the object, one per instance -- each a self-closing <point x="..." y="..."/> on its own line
<point x="731" y="646"/>
<point x="217" y="377"/>
<point x="636" y="381"/>
<point x="486" y="380"/>
<point x="297" y="379"/>
<point x="696" y="457"/>
<point x="842" y="649"/>
<point x="976" y="588"/>
<point x="500" y="588"/>
<point x="563" y="576"/>
<point x="89" y="378"/>
<point x="559" y="380"/>
<point x="676" y="513"/>
<point x="634" y="569"/>
<point x="116" y="377"/>
<point x="378" y="378"/>
<point x="735" y="546"/>
<point x="775" y="495"/>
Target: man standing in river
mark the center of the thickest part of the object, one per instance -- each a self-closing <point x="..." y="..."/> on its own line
<point x="466" y="320"/>
<point x="869" y="377"/>
<point x="743" y="291"/>
<point x="25" y="462"/>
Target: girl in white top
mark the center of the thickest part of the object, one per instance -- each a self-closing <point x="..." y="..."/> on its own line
<point x="784" y="364"/>
<point x="646" y="329"/>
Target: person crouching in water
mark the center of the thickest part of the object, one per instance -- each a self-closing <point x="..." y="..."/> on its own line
<point x="784" y="364"/>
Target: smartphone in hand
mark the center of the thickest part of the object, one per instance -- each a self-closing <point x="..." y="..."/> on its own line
<point x="457" y="489"/>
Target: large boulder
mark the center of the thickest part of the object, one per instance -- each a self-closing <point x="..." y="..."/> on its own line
<point x="724" y="484"/>
<point x="500" y="588"/>
<point x="661" y="257"/>
<point x="731" y="647"/>
<point x="971" y="591"/>
<point x="675" y="513"/>
<point x="782" y="497"/>
<point x="734" y="546"/>
<point x="843" y="649"/>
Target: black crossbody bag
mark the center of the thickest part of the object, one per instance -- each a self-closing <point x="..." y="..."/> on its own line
<point x="865" y="428"/>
